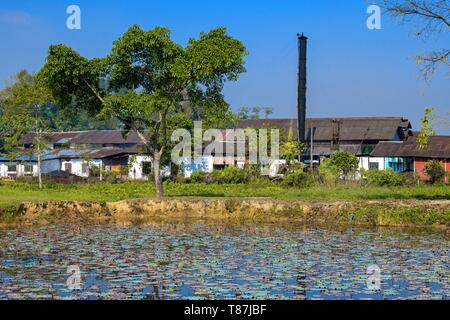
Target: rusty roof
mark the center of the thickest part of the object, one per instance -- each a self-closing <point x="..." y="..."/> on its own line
<point x="438" y="147"/>
<point x="53" y="137"/>
<point x="108" y="153"/>
<point x="88" y="137"/>
<point x="105" y="136"/>
<point x="350" y="129"/>
<point x="386" y="149"/>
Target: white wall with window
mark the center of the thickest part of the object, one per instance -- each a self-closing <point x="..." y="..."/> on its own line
<point x="15" y="169"/>
<point x="372" y="163"/>
<point x="140" y="167"/>
<point x="78" y="167"/>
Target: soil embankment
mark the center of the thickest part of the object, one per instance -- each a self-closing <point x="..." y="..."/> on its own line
<point x="373" y="213"/>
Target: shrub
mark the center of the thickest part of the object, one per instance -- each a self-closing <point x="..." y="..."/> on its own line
<point x="231" y="175"/>
<point x="328" y="172"/>
<point x="299" y="179"/>
<point x="346" y="163"/>
<point x="199" y="177"/>
<point x="383" y="178"/>
<point x="410" y="178"/>
<point x="435" y="171"/>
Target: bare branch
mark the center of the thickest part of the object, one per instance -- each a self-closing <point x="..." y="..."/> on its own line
<point x="432" y="17"/>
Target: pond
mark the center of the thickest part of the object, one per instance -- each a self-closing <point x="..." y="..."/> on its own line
<point x="216" y="261"/>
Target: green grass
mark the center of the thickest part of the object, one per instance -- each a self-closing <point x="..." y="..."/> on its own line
<point x="12" y="193"/>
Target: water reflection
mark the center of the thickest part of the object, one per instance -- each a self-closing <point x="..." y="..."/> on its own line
<point x="220" y="261"/>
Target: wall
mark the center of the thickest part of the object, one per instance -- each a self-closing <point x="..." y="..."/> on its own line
<point x="364" y="162"/>
<point x="20" y="170"/>
<point x="419" y="168"/>
<point x="399" y="164"/>
<point x="201" y="164"/>
<point x="136" y="167"/>
<point x="77" y="165"/>
<point x="51" y="165"/>
<point x="2" y="170"/>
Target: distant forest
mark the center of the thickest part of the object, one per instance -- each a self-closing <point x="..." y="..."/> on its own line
<point x="16" y="112"/>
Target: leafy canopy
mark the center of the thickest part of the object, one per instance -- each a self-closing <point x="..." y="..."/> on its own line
<point x="151" y="84"/>
<point x="147" y="80"/>
<point x="435" y="171"/>
<point x="344" y="162"/>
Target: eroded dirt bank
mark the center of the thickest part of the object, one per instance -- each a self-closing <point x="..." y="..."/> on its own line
<point x="374" y="213"/>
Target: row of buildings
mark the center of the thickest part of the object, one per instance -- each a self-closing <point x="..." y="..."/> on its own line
<point x="379" y="143"/>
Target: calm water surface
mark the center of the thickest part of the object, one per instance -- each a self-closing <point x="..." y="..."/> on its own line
<point x="197" y="261"/>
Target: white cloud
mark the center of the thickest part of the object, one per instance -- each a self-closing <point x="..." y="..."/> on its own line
<point x="15" y="18"/>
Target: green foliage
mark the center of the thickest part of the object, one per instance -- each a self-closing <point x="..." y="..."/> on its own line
<point x="231" y="175"/>
<point x="23" y="102"/>
<point x="290" y="150"/>
<point x="426" y="128"/>
<point x="328" y="172"/>
<point x="346" y="163"/>
<point x="243" y="113"/>
<point x="150" y="82"/>
<point x="200" y="177"/>
<point x="26" y="105"/>
<point x="383" y="178"/>
<point x="13" y="193"/>
<point x="268" y="111"/>
<point x="435" y="171"/>
<point x="254" y="112"/>
<point x="299" y="179"/>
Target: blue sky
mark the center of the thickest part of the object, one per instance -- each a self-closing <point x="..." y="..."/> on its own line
<point x="352" y="71"/>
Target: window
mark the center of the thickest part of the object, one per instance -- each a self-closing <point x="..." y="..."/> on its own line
<point x="28" y="169"/>
<point x="373" y="166"/>
<point x="11" y="167"/>
<point x="146" y="168"/>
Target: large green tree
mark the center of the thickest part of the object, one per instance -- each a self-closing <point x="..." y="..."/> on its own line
<point x="24" y="103"/>
<point x="150" y="83"/>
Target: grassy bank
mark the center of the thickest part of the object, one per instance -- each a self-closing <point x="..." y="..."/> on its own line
<point x="13" y="193"/>
<point x="394" y="206"/>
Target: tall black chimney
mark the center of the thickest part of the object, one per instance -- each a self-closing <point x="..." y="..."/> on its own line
<point x="301" y="98"/>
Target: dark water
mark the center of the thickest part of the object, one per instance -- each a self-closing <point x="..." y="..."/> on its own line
<point x="195" y="261"/>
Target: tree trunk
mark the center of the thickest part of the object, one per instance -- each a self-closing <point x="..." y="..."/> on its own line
<point x="39" y="170"/>
<point x="157" y="174"/>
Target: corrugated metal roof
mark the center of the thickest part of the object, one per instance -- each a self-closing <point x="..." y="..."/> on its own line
<point x="350" y="129"/>
<point x="105" y="136"/>
<point x="53" y="137"/>
<point x="386" y="149"/>
<point x="85" y="137"/>
<point x="21" y="158"/>
<point x="438" y="147"/>
<point x="107" y="153"/>
<point x="75" y="154"/>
